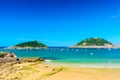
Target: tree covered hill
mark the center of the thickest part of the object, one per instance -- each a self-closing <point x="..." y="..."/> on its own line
<point x="94" y="42"/>
<point x="31" y="44"/>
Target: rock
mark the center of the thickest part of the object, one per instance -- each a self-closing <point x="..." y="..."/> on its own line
<point x="31" y="60"/>
<point x="7" y="57"/>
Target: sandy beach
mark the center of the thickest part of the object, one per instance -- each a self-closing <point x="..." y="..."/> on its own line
<point x="37" y="71"/>
<point x="86" y="74"/>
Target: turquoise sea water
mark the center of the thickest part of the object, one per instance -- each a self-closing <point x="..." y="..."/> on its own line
<point x="73" y="55"/>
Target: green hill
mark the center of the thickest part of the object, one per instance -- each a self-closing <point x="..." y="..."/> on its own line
<point x="94" y="42"/>
<point x="31" y="44"/>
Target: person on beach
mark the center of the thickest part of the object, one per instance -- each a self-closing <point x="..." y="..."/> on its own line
<point x="18" y="60"/>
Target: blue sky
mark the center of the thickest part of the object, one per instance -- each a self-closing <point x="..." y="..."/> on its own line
<point x="58" y="22"/>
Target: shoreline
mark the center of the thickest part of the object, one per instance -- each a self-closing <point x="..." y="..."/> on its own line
<point x="38" y="48"/>
<point x="82" y="65"/>
<point x="104" y="47"/>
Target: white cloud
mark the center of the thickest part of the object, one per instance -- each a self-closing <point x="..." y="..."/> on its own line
<point x="116" y="16"/>
<point x="113" y="16"/>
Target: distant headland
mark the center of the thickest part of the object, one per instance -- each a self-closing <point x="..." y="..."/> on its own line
<point x="94" y="43"/>
<point x="87" y="43"/>
<point x="29" y="45"/>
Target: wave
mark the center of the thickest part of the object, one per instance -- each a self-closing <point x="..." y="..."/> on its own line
<point x="48" y="60"/>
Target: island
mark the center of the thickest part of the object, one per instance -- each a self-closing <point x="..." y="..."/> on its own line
<point x="95" y="43"/>
<point x="28" y="45"/>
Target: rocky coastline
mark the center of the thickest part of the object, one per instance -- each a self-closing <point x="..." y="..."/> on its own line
<point x="110" y="46"/>
<point x="8" y="57"/>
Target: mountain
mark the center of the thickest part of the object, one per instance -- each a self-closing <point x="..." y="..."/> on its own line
<point x="94" y="42"/>
<point x="30" y="44"/>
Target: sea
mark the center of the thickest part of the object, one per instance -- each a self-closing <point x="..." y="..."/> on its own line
<point x="73" y="57"/>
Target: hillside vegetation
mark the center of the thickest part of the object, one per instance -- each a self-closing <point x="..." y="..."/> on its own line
<point x="31" y="44"/>
<point x="93" y="42"/>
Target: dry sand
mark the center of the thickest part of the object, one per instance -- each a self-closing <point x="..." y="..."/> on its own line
<point x="86" y="74"/>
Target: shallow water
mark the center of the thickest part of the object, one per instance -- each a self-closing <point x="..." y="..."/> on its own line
<point x="73" y="55"/>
